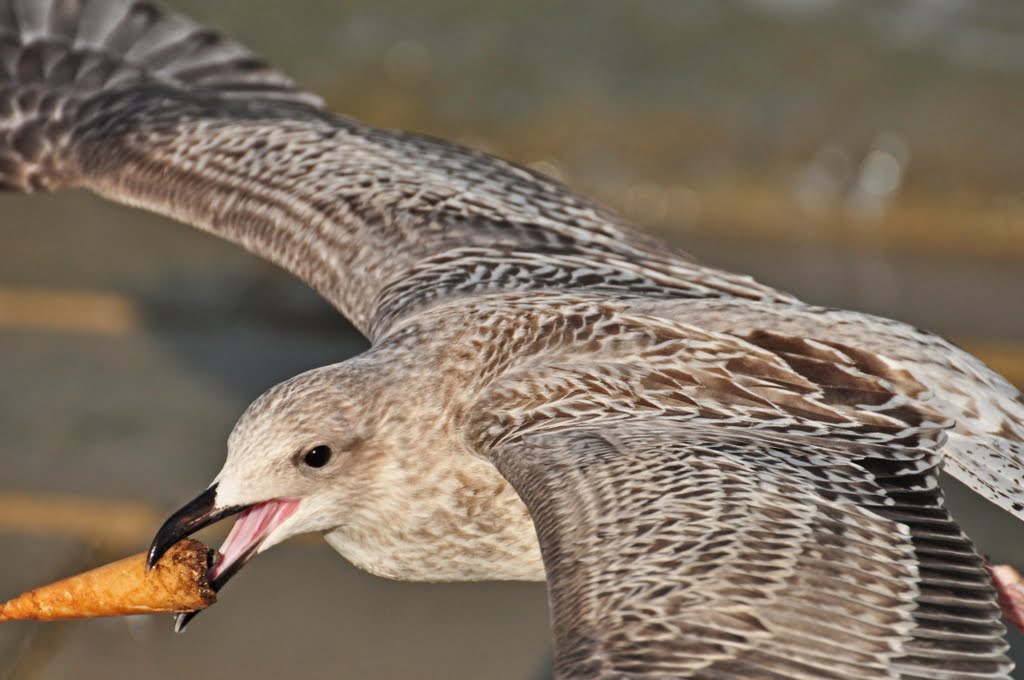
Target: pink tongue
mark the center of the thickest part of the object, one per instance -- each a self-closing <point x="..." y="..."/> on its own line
<point x="252" y="526"/>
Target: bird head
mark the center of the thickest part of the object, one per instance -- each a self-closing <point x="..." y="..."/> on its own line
<point x="297" y="462"/>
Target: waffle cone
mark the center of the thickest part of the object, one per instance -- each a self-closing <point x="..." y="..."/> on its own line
<point x="178" y="583"/>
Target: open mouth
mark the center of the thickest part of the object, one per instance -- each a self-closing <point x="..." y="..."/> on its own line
<point x="247" y="535"/>
<point x="255" y="523"/>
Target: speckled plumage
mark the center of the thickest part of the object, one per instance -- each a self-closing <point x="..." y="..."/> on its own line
<point x="724" y="482"/>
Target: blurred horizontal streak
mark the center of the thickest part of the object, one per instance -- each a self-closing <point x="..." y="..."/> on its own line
<point x="119" y="526"/>
<point x="68" y="311"/>
<point x="958" y="225"/>
<point x="76" y="311"/>
<point x="116" y="524"/>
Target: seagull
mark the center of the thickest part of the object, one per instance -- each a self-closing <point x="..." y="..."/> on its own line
<point x="715" y="479"/>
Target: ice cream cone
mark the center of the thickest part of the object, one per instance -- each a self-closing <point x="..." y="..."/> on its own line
<point x="178" y="583"/>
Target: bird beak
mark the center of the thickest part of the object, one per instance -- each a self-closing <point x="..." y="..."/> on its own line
<point x="198" y="513"/>
<point x="256" y="523"/>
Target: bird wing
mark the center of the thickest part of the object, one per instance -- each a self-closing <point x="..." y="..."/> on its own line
<point x="148" y="108"/>
<point x="674" y="551"/>
<point x="985" y="447"/>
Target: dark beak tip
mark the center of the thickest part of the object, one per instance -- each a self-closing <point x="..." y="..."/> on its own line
<point x="181" y="621"/>
<point x="152" y="557"/>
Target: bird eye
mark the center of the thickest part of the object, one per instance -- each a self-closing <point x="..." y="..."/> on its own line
<point x="318" y="456"/>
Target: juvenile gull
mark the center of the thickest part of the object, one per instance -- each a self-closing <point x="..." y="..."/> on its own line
<point x="716" y="479"/>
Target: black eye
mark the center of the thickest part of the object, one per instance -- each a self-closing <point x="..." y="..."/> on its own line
<point x="317" y="456"/>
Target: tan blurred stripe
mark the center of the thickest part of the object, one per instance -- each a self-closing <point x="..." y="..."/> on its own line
<point x="108" y="314"/>
<point x="123" y="526"/>
<point x="959" y="226"/>
<point x="68" y="311"/>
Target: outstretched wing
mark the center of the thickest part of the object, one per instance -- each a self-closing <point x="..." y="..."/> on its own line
<point x="147" y="108"/>
<point x="677" y="552"/>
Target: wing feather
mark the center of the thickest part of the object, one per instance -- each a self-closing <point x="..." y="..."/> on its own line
<point x="985" y="449"/>
<point x="676" y="552"/>
<point x="150" y="109"/>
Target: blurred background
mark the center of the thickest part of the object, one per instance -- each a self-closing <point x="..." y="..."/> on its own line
<point x="858" y="154"/>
